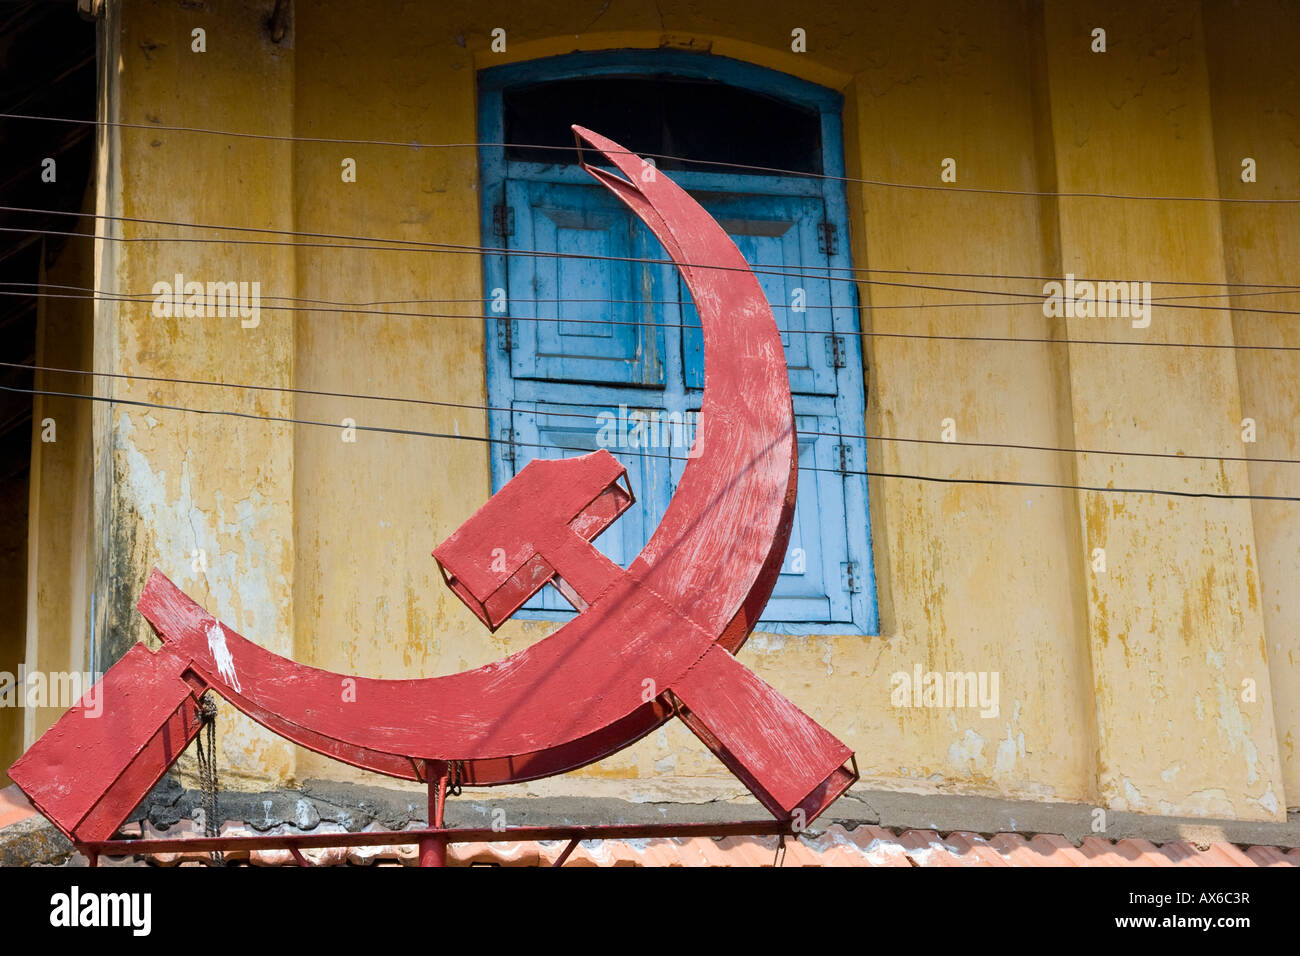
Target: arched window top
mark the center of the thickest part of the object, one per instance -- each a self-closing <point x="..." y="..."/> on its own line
<point x="670" y="103"/>
<point x="701" y="119"/>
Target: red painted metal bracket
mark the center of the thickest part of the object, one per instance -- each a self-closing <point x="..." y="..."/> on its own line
<point x="295" y="843"/>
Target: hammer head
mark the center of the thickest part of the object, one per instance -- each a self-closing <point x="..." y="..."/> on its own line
<point x="504" y="553"/>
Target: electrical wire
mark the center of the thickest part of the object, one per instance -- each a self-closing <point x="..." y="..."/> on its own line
<point x="292" y="390"/>
<point x="659" y="157"/>
<point x="1032" y="297"/>
<point x="148" y="299"/>
<point x="1229" y="496"/>
<point x="387" y="244"/>
<point x="557" y="300"/>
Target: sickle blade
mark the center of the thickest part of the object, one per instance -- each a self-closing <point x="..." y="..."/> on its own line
<point x="718" y="550"/>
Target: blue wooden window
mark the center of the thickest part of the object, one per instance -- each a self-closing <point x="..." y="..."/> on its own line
<point x="585" y="340"/>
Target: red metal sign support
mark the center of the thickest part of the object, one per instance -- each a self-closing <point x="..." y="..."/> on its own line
<point x="653" y="641"/>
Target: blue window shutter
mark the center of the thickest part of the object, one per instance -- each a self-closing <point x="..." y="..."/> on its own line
<point x="594" y="325"/>
<point x="778" y="234"/>
<point x="640" y="351"/>
<point x="547" y="430"/>
<point x="810" y="586"/>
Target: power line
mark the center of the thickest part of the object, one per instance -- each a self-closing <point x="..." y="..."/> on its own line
<point x="130" y="376"/>
<point x="465" y="248"/>
<point x="452" y="249"/>
<point x="146" y="299"/>
<point x="557" y="300"/>
<point x="660" y="157"/>
<point x="1043" y="340"/>
<point x="492" y="441"/>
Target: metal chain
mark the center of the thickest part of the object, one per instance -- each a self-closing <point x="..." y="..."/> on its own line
<point x="207" y="760"/>
<point x="453" y="783"/>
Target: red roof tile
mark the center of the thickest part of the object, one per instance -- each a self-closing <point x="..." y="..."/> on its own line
<point x="13" y="806"/>
<point x="1272" y="856"/>
<point x="865" y="845"/>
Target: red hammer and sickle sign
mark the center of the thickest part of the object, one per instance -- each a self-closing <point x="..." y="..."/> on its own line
<point x="651" y="642"/>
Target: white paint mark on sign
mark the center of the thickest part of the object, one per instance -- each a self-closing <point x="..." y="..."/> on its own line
<point x="221" y="654"/>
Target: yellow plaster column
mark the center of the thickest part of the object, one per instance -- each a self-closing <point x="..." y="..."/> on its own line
<point x="1175" y="626"/>
<point x="208" y="499"/>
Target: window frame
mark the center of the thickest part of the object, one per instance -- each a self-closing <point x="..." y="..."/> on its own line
<point x="850" y="398"/>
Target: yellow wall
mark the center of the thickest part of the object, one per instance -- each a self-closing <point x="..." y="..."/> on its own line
<point x="1253" y="92"/>
<point x="59" y="503"/>
<point x="1122" y="688"/>
<point x="1175" y="624"/>
<point x="182" y="483"/>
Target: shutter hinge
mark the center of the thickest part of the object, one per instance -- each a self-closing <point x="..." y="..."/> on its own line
<point x="508" y="446"/>
<point x="827" y="238"/>
<point x="505" y="334"/>
<point x="844" y="453"/>
<point x="836" y="355"/>
<point x="503" y="220"/>
<point x="850" y="577"/>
